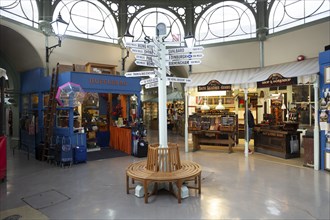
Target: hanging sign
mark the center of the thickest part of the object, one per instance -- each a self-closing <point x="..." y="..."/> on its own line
<point x="214" y="85"/>
<point x="276" y="79"/>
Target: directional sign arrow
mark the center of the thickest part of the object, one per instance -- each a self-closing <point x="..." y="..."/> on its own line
<point x="184" y="62"/>
<point x="185" y="56"/>
<point x="150" y="80"/>
<point x="151" y="85"/>
<point x="155" y="84"/>
<point x="184" y="50"/>
<point x="139" y="73"/>
<point x="149" y="52"/>
<point x="145" y="63"/>
<point x="148" y="58"/>
<point x="178" y="79"/>
<point x="140" y="45"/>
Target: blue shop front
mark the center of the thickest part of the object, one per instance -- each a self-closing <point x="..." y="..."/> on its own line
<point x="109" y="101"/>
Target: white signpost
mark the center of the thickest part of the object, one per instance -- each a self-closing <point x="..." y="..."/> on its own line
<point x="156" y="55"/>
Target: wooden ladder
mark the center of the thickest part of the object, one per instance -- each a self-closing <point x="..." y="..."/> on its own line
<point x="50" y="115"/>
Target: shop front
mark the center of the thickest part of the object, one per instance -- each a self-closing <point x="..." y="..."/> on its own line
<point x="109" y="101"/>
<point x="282" y="96"/>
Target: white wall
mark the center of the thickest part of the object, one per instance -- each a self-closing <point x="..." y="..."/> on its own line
<point x="287" y="47"/>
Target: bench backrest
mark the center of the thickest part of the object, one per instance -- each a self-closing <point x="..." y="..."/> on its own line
<point x="163" y="159"/>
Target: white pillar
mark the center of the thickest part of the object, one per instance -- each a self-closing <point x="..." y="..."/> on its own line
<point x="246" y="148"/>
<point x="186" y="99"/>
<point x="316" y="126"/>
<point x="162" y="95"/>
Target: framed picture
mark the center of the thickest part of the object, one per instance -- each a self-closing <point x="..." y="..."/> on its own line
<point x="327" y="75"/>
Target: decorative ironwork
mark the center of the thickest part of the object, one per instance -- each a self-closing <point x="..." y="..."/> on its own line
<point x="88" y="19"/>
<point x="25" y="11"/>
<point x="180" y="12"/>
<point x="287" y="14"/>
<point x="144" y="24"/>
<point x="132" y="9"/>
<point x="199" y="9"/>
<point x="225" y="21"/>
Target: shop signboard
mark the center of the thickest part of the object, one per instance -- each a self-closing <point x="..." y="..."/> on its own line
<point x="276" y="79"/>
<point x="214" y="85"/>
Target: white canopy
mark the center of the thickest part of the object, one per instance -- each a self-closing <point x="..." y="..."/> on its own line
<point x="247" y="78"/>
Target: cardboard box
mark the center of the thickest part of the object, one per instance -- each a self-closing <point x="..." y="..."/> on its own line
<point x="65" y="68"/>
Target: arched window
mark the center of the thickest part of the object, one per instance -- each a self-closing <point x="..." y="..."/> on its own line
<point x="88" y="19"/>
<point x="286" y="14"/>
<point x="144" y="24"/>
<point x="225" y="21"/>
<point x="24" y="11"/>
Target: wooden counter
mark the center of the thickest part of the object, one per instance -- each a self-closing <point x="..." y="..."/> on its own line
<point x="226" y="138"/>
<point x="276" y="142"/>
<point x="121" y="139"/>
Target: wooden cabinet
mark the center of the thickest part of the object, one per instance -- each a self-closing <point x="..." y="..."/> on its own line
<point x="276" y="142"/>
<point x="101" y="68"/>
<point x="121" y="139"/>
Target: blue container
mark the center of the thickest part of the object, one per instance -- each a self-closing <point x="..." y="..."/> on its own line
<point x="80" y="154"/>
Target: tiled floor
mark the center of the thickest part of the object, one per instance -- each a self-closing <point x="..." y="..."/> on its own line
<point x="233" y="187"/>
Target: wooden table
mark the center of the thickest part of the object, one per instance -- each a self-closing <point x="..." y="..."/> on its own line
<point x="213" y="138"/>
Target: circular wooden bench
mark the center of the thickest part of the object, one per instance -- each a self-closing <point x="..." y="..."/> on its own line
<point x="164" y="165"/>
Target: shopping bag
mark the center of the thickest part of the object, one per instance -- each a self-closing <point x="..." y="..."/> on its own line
<point x="294" y="144"/>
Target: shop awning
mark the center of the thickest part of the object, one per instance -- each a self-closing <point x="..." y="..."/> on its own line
<point x="237" y="78"/>
<point x="305" y="71"/>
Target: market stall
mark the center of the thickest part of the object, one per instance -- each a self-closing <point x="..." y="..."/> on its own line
<point x="279" y="100"/>
<point x="90" y="119"/>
